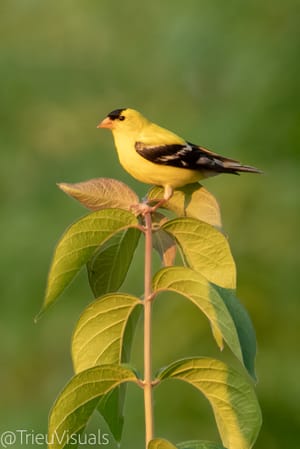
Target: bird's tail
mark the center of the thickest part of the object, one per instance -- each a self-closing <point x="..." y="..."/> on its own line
<point x="234" y="167"/>
<point x="222" y="164"/>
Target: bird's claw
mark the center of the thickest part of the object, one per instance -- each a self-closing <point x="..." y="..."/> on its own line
<point x="142" y="209"/>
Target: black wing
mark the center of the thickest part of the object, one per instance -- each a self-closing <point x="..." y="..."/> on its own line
<point x="192" y="157"/>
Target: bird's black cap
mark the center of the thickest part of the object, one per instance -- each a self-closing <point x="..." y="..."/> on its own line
<point x="116" y="113"/>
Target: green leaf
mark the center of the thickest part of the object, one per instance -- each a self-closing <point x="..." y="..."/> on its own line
<point x="130" y="332"/>
<point x="165" y="246"/>
<point x="244" y="327"/>
<point x="103" y="335"/>
<point x="79" y="243"/>
<point x="206" y="297"/>
<point x="204" y="249"/>
<point x="232" y="398"/>
<point x="159" y="443"/>
<point x="101" y="193"/>
<point x="75" y="404"/>
<point x="194" y="201"/>
<point x="198" y="444"/>
<point x="99" y="335"/>
<point x="109" y="265"/>
<point x="111" y="408"/>
<point x="162" y="242"/>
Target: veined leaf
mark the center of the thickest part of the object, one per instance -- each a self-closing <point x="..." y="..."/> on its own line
<point x="244" y="327"/>
<point x="232" y="398"/>
<point x="79" y="243"/>
<point x="75" y="404"/>
<point x="198" y="444"/>
<point x="162" y="242"/>
<point x="112" y="405"/>
<point x="101" y="193"/>
<point x="165" y="246"/>
<point x="159" y="443"/>
<point x="109" y="265"/>
<point x="99" y="335"/>
<point x="206" y="297"/>
<point x="192" y="200"/>
<point x="205" y="249"/>
<point x="104" y="335"/>
<point x="111" y="408"/>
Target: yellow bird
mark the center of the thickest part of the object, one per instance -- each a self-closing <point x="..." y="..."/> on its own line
<point x="155" y="155"/>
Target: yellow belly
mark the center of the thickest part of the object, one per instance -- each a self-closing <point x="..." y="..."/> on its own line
<point x="150" y="173"/>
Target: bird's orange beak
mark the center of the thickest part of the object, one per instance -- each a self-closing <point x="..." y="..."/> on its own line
<point x="106" y="123"/>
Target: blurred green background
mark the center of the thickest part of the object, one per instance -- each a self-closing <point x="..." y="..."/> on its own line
<point x="222" y="74"/>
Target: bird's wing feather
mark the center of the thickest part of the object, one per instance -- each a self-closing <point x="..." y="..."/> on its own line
<point x="192" y="157"/>
<point x="186" y="156"/>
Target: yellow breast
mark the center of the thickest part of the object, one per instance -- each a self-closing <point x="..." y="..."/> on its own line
<point x="148" y="172"/>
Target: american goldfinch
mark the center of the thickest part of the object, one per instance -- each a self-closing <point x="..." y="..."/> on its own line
<point x="155" y="155"/>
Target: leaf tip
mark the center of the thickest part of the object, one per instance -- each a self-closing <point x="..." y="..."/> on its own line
<point x="48" y="301"/>
<point x="39" y="315"/>
<point x="64" y="186"/>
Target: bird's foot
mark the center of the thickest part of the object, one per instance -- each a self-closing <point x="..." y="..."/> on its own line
<point x="144" y="208"/>
<point x="141" y="209"/>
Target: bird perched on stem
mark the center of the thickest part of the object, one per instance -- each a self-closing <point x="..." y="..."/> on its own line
<point x="155" y="155"/>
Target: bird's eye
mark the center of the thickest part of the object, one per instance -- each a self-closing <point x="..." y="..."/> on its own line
<point x="121" y="118"/>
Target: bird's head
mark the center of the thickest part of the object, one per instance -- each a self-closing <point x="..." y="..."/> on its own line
<point x="124" y="120"/>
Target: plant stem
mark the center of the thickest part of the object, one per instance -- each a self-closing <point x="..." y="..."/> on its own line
<point x="148" y="397"/>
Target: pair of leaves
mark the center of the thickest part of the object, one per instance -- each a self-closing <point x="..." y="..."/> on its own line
<point x="192" y="200"/>
<point x="83" y="242"/>
<point x="232" y="399"/>
<point x="106" y="273"/>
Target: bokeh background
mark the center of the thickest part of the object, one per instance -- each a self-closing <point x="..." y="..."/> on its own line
<point x="223" y="74"/>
